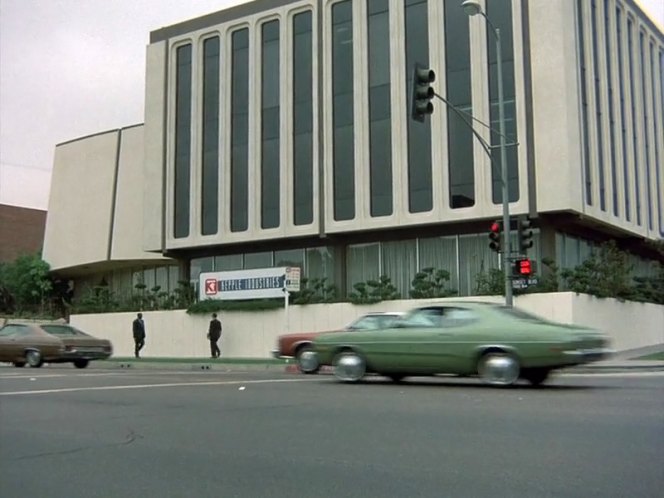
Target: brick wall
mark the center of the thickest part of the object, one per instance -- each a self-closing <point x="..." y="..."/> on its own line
<point x="21" y="231"/>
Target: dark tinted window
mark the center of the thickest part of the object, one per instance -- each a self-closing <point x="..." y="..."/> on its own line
<point x="380" y="130"/>
<point x="182" y="140"/>
<point x="210" y="158"/>
<point x="500" y="13"/>
<point x="420" y="197"/>
<point x="460" y="136"/>
<point x="303" y="182"/>
<point x="342" y="111"/>
<point x="270" y="126"/>
<point x="240" y="131"/>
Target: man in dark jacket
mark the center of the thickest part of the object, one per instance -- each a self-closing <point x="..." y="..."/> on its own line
<point x="214" y="334"/>
<point x="138" y="328"/>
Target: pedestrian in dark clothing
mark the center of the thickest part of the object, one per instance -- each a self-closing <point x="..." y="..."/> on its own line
<point x="214" y="334"/>
<point x="138" y="328"/>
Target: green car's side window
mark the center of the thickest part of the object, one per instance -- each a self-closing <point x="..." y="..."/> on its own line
<point x="458" y="317"/>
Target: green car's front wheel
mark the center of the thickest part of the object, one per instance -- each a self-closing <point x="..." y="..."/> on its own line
<point x="349" y="366"/>
<point x="498" y="368"/>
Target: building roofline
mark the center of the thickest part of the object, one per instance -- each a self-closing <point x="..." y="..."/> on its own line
<point x="99" y="133"/>
<point x="215" y="18"/>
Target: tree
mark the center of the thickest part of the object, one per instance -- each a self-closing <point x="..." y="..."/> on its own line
<point x="430" y="283"/>
<point x="606" y="273"/>
<point x="28" y="283"/>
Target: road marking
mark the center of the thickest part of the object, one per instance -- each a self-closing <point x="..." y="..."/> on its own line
<point x="145" y="386"/>
<point x="52" y="376"/>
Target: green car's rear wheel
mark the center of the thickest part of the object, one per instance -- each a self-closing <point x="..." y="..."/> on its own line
<point x="498" y="369"/>
<point x="349" y="366"/>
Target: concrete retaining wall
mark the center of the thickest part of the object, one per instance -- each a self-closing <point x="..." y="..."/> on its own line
<point x="253" y="334"/>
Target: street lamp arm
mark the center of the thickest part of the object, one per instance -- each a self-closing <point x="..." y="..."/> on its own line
<point x="464" y="116"/>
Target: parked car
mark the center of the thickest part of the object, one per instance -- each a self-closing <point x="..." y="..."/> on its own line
<point x="80" y="348"/>
<point x="299" y="345"/>
<point x="36" y="344"/>
<point x="21" y="344"/>
<point x="497" y="343"/>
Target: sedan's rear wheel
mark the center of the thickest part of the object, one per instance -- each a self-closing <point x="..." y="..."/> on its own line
<point x="498" y="369"/>
<point x="349" y="366"/>
<point x="81" y="363"/>
<point x="34" y="358"/>
<point x="307" y="360"/>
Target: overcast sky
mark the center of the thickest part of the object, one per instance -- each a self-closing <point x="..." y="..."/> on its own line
<point x="70" y="68"/>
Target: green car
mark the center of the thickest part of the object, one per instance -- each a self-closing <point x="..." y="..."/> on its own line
<point x="498" y="343"/>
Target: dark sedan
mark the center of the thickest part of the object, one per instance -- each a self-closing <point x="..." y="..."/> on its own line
<point x="80" y="347"/>
<point x="36" y="344"/>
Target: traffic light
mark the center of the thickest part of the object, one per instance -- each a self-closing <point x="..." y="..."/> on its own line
<point x="525" y="234"/>
<point x="523" y="267"/>
<point x="423" y="92"/>
<point x="494" y="236"/>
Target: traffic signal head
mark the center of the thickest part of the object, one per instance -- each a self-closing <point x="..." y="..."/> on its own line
<point x="525" y="234"/>
<point x="523" y="267"/>
<point x="494" y="236"/>
<point x="423" y="92"/>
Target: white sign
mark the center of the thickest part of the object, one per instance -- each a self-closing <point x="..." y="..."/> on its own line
<point x="245" y="284"/>
<point x="293" y="279"/>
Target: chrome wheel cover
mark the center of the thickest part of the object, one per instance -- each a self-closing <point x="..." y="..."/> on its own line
<point x="499" y="369"/>
<point x="33" y="358"/>
<point x="307" y="361"/>
<point x="349" y="367"/>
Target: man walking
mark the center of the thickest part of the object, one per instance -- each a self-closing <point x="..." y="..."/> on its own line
<point x="214" y="334"/>
<point x="138" y="328"/>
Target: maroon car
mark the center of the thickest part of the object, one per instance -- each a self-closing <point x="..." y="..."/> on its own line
<point x="299" y="345"/>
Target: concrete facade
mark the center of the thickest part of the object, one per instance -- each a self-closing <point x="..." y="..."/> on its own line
<point x="254" y="334"/>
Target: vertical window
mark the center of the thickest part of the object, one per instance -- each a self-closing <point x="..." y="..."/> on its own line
<point x="420" y="193"/>
<point x="623" y="113"/>
<point x="303" y="180"/>
<point x="362" y="264"/>
<point x="258" y="260"/>
<point x="399" y="262"/>
<point x="658" y="158"/>
<point x="646" y="129"/>
<point x="612" y="125"/>
<point x="240" y="130"/>
<point x="598" y="110"/>
<point x="380" y="136"/>
<point x="635" y="140"/>
<point x="182" y="141"/>
<point x="210" y="183"/>
<point x="584" y="107"/>
<point x="270" y="184"/>
<point x="342" y="111"/>
<point x="459" y="135"/>
<point x="500" y="13"/>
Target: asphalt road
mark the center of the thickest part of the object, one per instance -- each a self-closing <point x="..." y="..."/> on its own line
<point x="72" y="433"/>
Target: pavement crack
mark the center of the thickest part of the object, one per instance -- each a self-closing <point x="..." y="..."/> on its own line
<point x="131" y="437"/>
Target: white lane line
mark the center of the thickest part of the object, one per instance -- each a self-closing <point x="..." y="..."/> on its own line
<point x="52" y="376"/>
<point x="146" y="386"/>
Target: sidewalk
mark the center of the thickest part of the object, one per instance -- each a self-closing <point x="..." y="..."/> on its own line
<point x="621" y="362"/>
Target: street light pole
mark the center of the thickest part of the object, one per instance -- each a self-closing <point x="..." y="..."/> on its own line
<point x="473" y="7"/>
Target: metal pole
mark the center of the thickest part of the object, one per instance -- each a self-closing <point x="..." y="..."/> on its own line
<point x="503" y="175"/>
